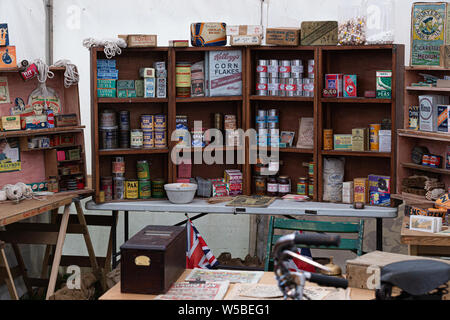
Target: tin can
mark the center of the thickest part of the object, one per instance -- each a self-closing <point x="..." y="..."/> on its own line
<point x="124" y="139"/>
<point x="108" y="119"/>
<point x="274" y="138"/>
<point x="435" y="161"/>
<point x="311" y="188"/>
<point x="327" y="139"/>
<point x="299" y="87"/>
<point x="183" y="79"/>
<point x="218" y="121"/>
<point x="148" y="139"/>
<point x="311" y="64"/>
<point x="261" y="69"/>
<point x="296" y="69"/>
<point x="160" y="122"/>
<point x="143" y="170"/>
<point x="118" y="166"/>
<point x="262" y="86"/>
<point x="158" y="188"/>
<point x="291" y="87"/>
<point x="261" y="119"/>
<point x="282" y="88"/>
<point x="131" y="189"/>
<point x="147" y="122"/>
<point x="426" y="160"/>
<point x="101" y="196"/>
<point x="285" y="69"/>
<point x="273" y="87"/>
<point x="273" y="119"/>
<point x="124" y="120"/>
<point x="262" y="137"/>
<point x="308" y="87"/>
<point x="145" y="189"/>
<point x="311" y="170"/>
<point x="374" y="136"/>
<point x="136" y="139"/>
<point x="160" y="139"/>
<point x="302" y="186"/>
<point x="119" y="188"/>
<point x="272" y="68"/>
<point x="106" y="185"/>
<point x="109" y="137"/>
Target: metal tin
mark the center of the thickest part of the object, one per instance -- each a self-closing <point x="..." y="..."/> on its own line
<point x="374" y="130"/>
<point x="311" y="169"/>
<point x="148" y="121"/>
<point x="106" y="185"/>
<point x="143" y="170"/>
<point x="261" y="119"/>
<point x="262" y="137"/>
<point x="124" y="120"/>
<point x="327" y="139"/>
<point x="299" y="87"/>
<point x="160" y="139"/>
<point x="124" y="139"/>
<point x="311" y="187"/>
<point x="158" y="188"/>
<point x="160" y="122"/>
<point x="274" y="138"/>
<point x="285" y="69"/>
<point x="261" y="69"/>
<point x="218" y="121"/>
<point x="101" y="196"/>
<point x="262" y="86"/>
<point x="296" y="69"/>
<point x="272" y="68"/>
<point x="109" y="137"/>
<point x="183" y="79"/>
<point x="282" y="88"/>
<point x="145" y="189"/>
<point x="119" y="188"/>
<point x="148" y="137"/>
<point x="136" y="139"/>
<point x="118" y="166"/>
<point x="311" y="64"/>
<point x="131" y="189"/>
<point x="290" y="87"/>
<point x="308" y="87"/>
<point x="108" y="119"/>
<point x="274" y="87"/>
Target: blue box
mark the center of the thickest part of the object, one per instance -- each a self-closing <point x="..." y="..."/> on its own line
<point x="106" y="64"/>
<point x="106" y="74"/>
<point x="380" y="199"/>
<point x="4" y="35"/>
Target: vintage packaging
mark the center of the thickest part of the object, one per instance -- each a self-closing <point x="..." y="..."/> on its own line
<point x="131" y="93"/>
<point x="385" y="140"/>
<point x="140" y="90"/>
<point x="29" y="72"/>
<point x="8" y="58"/>
<point x="360" y="190"/>
<point x="384" y="84"/>
<point x="244" y="30"/>
<point x="374" y="136"/>
<point x="414" y="114"/>
<point x="106" y="93"/>
<point x="4" y="35"/>
<point x="161" y="87"/>
<point x="380" y="190"/>
<point x="10" y="123"/>
<point x="335" y="81"/>
<point x="107" y="74"/>
<point x="319" y="33"/>
<point x="140" y="40"/>
<point x="66" y="120"/>
<point x="428" y="111"/>
<point x="347" y="192"/>
<point x="225" y="73"/>
<point x="219" y="188"/>
<point x="349" y="85"/>
<point x="343" y="142"/>
<point x="234" y="188"/>
<point x="106" y="64"/>
<point x="359" y="139"/>
<point x="147" y="72"/>
<point x="149" y="87"/>
<point x="36" y="122"/>
<point x="179" y="43"/>
<point x="283" y="36"/>
<point x="233" y="176"/>
<point x="425" y="224"/>
<point x="106" y="84"/>
<point x="125" y="85"/>
<point x="430" y="30"/>
<point x="198" y="79"/>
<point x="247" y="40"/>
<point x="445" y="56"/>
<point x="330" y="93"/>
<point x="208" y="34"/>
<point x="442" y="118"/>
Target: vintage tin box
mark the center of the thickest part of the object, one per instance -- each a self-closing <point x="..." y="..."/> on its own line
<point x="283" y="36"/>
<point x="319" y="33"/>
<point x="153" y="259"/>
<point x="207" y="34"/>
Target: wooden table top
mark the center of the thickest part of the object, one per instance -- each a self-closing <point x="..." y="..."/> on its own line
<point x="268" y="278"/>
<point x="11" y="212"/>
<point x="412" y="237"/>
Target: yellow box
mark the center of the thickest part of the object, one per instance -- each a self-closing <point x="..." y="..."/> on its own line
<point x="10" y="123"/>
<point x="361" y="190"/>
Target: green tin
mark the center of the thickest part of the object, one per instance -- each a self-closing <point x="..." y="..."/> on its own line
<point x="158" y="188"/>
<point x="145" y="189"/>
<point x="143" y="170"/>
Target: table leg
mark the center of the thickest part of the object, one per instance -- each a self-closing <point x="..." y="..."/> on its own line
<point x="58" y="252"/>
<point x="22" y="268"/>
<point x="126" y="226"/>
<point x="9" y="280"/>
<point x="379" y="232"/>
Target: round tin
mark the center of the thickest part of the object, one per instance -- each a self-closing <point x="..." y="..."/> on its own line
<point x="311" y="69"/>
<point x="274" y="137"/>
<point x="218" y="121"/>
<point x="273" y="87"/>
<point x="158" y="188"/>
<point x="262" y="86"/>
<point x="136" y="139"/>
<point x="124" y="120"/>
<point x="119" y="188"/>
<point x="183" y="79"/>
<point x="160" y="122"/>
<point x="148" y="122"/>
<point x="261" y="69"/>
<point x="374" y="130"/>
<point x="272" y="68"/>
<point x="285" y="69"/>
<point x="106" y="185"/>
<point x="296" y="69"/>
<point x="145" y="189"/>
<point x="143" y="170"/>
<point x="108" y="119"/>
<point x="131" y="189"/>
<point x="291" y="87"/>
<point x="118" y="166"/>
<point x="160" y="139"/>
<point x="124" y="139"/>
<point x="308" y="87"/>
<point x="262" y="137"/>
<point x="299" y="87"/>
<point x="109" y="137"/>
<point x="282" y="90"/>
<point x="148" y="139"/>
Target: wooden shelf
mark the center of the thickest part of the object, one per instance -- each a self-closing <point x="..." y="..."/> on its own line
<point x="40" y="132"/>
<point x="425" y="68"/>
<point x="114" y="152"/>
<point x="424" y="135"/>
<point x="425" y="168"/>
<point x="54" y="69"/>
<point x="411" y="198"/>
<point x="355" y="100"/>
<point x="208" y="99"/>
<point x="434" y="89"/>
<point x="286" y="150"/>
<point x="356" y="153"/>
<point x="277" y="98"/>
<point x="132" y="100"/>
<point x="193" y="149"/>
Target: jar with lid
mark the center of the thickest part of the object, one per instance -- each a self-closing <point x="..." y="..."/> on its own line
<point x="284" y="186"/>
<point x="352" y="23"/>
<point x="302" y="186"/>
<point x="260" y="185"/>
<point x="272" y="186"/>
<point x="380" y="21"/>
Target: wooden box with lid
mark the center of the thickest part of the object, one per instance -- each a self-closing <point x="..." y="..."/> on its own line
<point x="153" y="259"/>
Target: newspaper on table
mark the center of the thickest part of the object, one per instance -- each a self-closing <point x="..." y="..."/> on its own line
<point x="196" y="291"/>
<point x="234" y="276"/>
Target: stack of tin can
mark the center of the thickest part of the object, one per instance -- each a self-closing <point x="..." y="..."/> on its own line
<point x="144" y="183"/>
<point x="118" y="172"/>
<point x="267" y="127"/>
<point x="108" y="130"/>
<point x="284" y="78"/>
<point x="153" y="128"/>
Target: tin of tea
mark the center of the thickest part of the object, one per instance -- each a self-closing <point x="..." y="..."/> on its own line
<point x="143" y="170"/>
<point x="262" y="137"/>
<point x="285" y="69"/>
<point x="147" y="122"/>
<point x="296" y="69"/>
<point x="327" y="139"/>
<point x="299" y="87"/>
<point x="124" y="120"/>
<point x="145" y="189"/>
<point x="118" y="166"/>
<point x="160" y="122"/>
<point x="273" y="87"/>
<point x="119" y="188"/>
<point x="149" y="141"/>
<point x="131" y="189"/>
<point x="282" y="88"/>
<point x="261" y="69"/>
<point x="262" y="86"/>
<point x="158" y="188"/>
<point x="311" y="64"/>
<point x="308" y="87"/>
<point x="291" y="87"/>
<point x="136" y="139"/>
<point x="160" y="139"/>
<point x="108" y="119"/>
<point x="272" y="68"/>
<point x="109" y="137"/>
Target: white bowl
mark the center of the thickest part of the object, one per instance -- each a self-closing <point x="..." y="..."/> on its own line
<point x="180" y="193"/>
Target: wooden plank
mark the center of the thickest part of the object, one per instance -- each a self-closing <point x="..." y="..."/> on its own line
<point x="40" y="132"/>
<point x="81" y="261"/>
<point x="424" y="135"/>
<point x="132" y="151"/>
<point x="25" y="237"/>
<point x="420" y="238"/>
<point x="425" y="168"/>
<point x="9" y="280"/>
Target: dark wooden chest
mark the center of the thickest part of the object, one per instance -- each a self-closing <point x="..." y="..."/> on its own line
<point x="153" y="259"/>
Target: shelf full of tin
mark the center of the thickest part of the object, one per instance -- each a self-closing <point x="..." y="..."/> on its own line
<point x="203" y="109"/>
<point x="290" y="110"/>
<point x="344" y="114"/>
<point x="407" y="138"/>
<point x="128" y="63"/>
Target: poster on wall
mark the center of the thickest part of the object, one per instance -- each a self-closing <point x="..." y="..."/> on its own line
<point x="9" y="155"/>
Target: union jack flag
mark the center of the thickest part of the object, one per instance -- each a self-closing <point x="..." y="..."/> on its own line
<point x="296" y="265"/>
<point x="198" y="255"/>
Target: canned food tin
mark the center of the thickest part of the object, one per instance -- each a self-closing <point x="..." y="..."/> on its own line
<point x="145" y="189"/>
<point x="374" y="136"/>
<point x="261" y="69"/>
<point x="108" y="119"/>
<point x="308" y="87"/>
<point x="274" y="87"/>
<point x="160" y="122"/>
<point x="285" y="69"/>
<point x="183" y="79"/>
<point x="274" y="137"/>
<point x="296" y="69"/>
<point x="311" y="64"/>
<point x="282" y="88"/>
<point x="118" y="166"/>
<point x="124" y="139"/>
<point x="272" y="68"/>
<point x="124" y="120"/>
<point x="147" y="122"/>
<point x="101" y="196"/>
<point x="119" y="188"/>
<point x="311" y="169"/>
<point x="136" y="138"/>
<point x="158" y="188"/>
<point x="109" y="137"/>
<point x="106" y="185"/>
<point x="272" y="118"/>
<point x="148" y="139"/>
<point x="143" y="170"/>
<point x="261" y="118"/>
<point x="291" y="87"/>
<point x="327" y="139"/>
<point x="262" y="137"/>
<point x="299" y="87"/>
<point x="262" y="86"/>
<point x="131" y="189"/>
<point x="160" y="139"/>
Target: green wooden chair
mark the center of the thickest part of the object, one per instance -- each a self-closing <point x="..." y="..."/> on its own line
<point x="354" y="245"/>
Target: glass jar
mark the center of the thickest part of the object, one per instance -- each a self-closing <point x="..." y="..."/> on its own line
<point x="380" y="21"/>
<point x="302" y="186"/>
<point x="272" y="186"/>
<point x="260" y="185"/>
<point x="352" y="23"/>
<point x="284" y="186"/>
